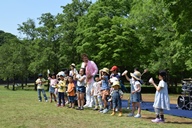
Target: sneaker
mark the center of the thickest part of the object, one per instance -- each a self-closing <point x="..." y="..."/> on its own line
<point x="46" y="100"/>
<point x="90" y="106"/>
<point x="116" y="109"/>
<point x="40" y="101"/>
<point x="81" y="108"/>
<point x="85" y="106"/>
<point x="105" y="110"/>
<point x="95" y="109"/>
<point x="138" y="116"/>
<point x="78" y="108"/>
<point x="58" y="105"/>
<point x="101" y="110"/>
<point x="157" y="120"/>
<point x="130" y="115"/>
<point x="109" y="100"/>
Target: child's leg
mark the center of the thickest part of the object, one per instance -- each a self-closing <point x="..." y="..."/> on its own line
<point x="82" y="101"/>
<point x="44" y="94"/>
<point x="78" y="99"/>
<point x="73" y="102"/>
<point x="62" y="98"/>
<point x="59" y="96"/>
<point x="161" y="115"/>
<point x="133" y="107"/>
<point x="96" y="102"/>
<point x="104" y="101"/>
<point x="54" y="97"/>
<point x="51" y="94"/>
<point x="119" y="106"/>
<point x="39" y="94"/>
<point x="139" y="107"/>
<point x="100" y="102"/>
<point x="114" y="105"/>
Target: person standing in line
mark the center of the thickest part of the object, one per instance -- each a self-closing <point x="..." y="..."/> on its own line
<point x="80" y="89"/>
<point x="90" y="71"/>
<point x="116" y="95"/>
<point x="53" y="83"/>
<point x="104" y="77"/>
<point x="135" y="92"/>
<point x="96" y="90"/>
<point x="40" y="87"/>
<point x="161" y="100"/>
<point x="61" y="90"/>
<point x="71" y="92"/>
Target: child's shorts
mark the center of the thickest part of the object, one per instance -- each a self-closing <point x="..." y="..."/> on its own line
<point x="81" y="89"/>
<point x="71" y="99"/>
<point x="51" y="89"/>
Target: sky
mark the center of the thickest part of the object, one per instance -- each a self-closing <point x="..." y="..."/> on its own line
<point x="14" y="12"/>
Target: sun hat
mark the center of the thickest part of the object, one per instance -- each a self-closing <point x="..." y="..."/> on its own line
<point x="136" y="75"/>
<point x="105" y="70"/>
<point x="73" y="65"/>
<point x="114" y="68"/>
<point x="61" y="74"/>
<point x="116" y="83"/>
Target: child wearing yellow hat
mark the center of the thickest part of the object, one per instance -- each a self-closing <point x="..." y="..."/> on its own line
<point x="116" y="95"/>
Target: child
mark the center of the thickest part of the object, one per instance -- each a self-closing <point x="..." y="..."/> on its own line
<point x="73" y="70"/>
<point x="116" y="95"/>
<point x="53" y="83"/>
<point x="71" y="92"/>
<point x="104" y="77"/>
<point x="95" y="92"/>
<point x="40" y="87"/>
<point x="61" y="90"/>
<point x="161" y="101"/>
<point x="135" y="92"/>
<point x="80" y="88"/>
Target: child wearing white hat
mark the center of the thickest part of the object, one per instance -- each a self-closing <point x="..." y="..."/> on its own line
<point x="135" y="92"/>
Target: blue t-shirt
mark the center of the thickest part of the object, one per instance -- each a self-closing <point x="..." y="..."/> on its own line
<point x="105" y="83"/>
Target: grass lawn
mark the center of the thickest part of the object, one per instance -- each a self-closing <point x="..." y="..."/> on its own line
<point x="21" y="109"/>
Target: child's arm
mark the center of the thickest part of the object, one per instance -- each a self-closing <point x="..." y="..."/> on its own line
<point x="82" y="78"/>
<point x="121" y="94"/>
<point x="138" y="86"/>
<point x="127" y="77"/>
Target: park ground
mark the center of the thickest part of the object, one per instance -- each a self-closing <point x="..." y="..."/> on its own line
<point x="21" y="109"/>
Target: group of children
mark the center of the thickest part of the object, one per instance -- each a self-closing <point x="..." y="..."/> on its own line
<point x="70" y="86"/>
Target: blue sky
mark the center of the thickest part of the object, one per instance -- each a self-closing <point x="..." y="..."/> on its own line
<point x="14" y="12"/>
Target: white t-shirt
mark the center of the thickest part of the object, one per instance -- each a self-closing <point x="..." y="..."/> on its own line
<point x="82" y="83"/>
<point x="135" y="83"/>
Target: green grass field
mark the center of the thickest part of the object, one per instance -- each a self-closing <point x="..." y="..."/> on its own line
<point x="21" y="109"/>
